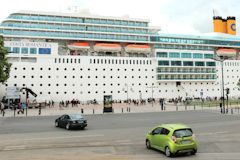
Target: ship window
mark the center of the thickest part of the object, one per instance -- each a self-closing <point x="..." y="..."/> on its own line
<point x="130" y="61"/>
<point x="90" y="60"/>
<point x="71" y="60"/>
<point x="56" y="92"/>
<point x="109" y="61"/>
<point x="16" y="50"/>
<point x="101" y="61"/>
<point x="147" y="61"/>
<point x="97" y="61"/>
<point x="67" y="60"/>
<point x="126" y="61"/>
<point x="150" y="62"/>
<point x="40" y="84"/>
<point x="33" y="50"/>
<point x="44" y="50"/>
<point x="162" y="54"/>
<point x="40" y="92"/>
<point x="116" y="61"/>
<point x="119" y="61"/>
<point x="65" y="92"/>
<point x="55" y="60"/>
<point x="75" y="60"/>
<point x="133" y="61"/>
<point x="123" y="61"/>
<point x="63" y="60"/>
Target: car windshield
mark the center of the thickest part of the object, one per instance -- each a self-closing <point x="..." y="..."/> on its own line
<point x="76" y="116"/>
<point x="183" y="133"/>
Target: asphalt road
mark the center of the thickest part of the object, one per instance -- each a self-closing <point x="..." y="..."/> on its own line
<point x="116" y="137"/>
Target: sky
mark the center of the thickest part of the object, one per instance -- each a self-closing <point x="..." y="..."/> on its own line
<point x="173" y="16"/>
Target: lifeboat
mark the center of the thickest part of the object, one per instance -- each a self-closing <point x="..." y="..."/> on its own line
<point x="143" y="48"/>
<point x="107" y="47"/>
<point x="226" y="52"/>
<point x="78" y="46"/>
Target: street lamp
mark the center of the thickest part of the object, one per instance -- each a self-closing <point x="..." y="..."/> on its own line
<point x="221" y="59"/>
<point x="152" y="86"/>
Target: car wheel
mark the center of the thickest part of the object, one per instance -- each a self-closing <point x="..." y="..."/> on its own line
<point x="168" y="152"/>
<point x="148" y="144"/>
<point x="68" y="126"/>
<point x="56" y="124"/>
<point x="194" y="152"/>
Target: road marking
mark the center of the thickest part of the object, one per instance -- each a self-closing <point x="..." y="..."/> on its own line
<point x="9" y="148"/>
<point x="211" y="133"/>
<point x="46" y="138"/>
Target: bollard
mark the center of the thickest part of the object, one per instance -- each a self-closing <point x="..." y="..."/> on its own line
<point x="81" y="110"/>
<point x="176" y="108"/>
<point x="185" y="107"/>
<point x="14" y="111"/>
<point x="93" y="111"/>
<point x="3" y="113"/>
<point x="194" y="107"/>
<point x="129" y="109"/>
<point x="231" y="111"/>
<point x="122" y="110"/>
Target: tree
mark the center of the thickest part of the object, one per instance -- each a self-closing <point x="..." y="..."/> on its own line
<point x="4" y="65"/>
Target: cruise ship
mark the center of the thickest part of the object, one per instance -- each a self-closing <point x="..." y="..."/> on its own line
<point x="65" y="56"/>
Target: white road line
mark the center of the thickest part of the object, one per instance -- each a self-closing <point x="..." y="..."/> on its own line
<point x="46" y="138"/>
<point x="9" y="148"/>
<point x="211" y="133"/>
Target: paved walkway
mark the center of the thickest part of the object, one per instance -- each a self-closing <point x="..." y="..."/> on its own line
<point x="118" y="108"/>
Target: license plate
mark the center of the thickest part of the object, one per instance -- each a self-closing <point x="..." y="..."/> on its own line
<point x="186" y="142"/>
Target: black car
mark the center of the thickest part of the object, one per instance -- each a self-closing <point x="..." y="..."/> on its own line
<point x="71" y="121"/>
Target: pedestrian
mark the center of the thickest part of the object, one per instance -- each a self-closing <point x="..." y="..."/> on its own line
<point x="40" y="107"/>
<point x="2" y="108"/>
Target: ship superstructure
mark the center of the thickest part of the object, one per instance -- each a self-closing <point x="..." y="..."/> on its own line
<point x="76" y="56"/>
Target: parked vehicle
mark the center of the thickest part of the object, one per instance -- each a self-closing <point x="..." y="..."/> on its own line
<point x="172" y="139"/>
<point x="71" y="121"/>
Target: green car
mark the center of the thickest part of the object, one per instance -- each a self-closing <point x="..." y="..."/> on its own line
<point x="172" y="139"/>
